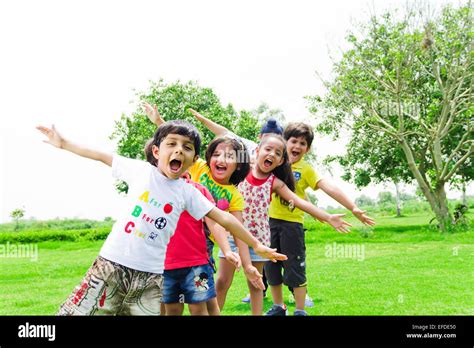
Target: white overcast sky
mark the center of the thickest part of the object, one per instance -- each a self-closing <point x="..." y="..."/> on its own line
<point x="76" y="64"/>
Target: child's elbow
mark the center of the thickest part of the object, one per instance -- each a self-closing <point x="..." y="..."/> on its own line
<point x="220" y="217"/>
<point x="226" y="219"/>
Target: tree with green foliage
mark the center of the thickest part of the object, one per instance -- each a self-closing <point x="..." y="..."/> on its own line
<point x="364" y="201"/>
<point x="17" y="215"/>
<point x="405" y="90"/>
<point x="385" y="197"/>
<point x="173" y="101"/>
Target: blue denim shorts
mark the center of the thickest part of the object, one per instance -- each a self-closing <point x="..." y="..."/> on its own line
<point x="254" y="257"/>
<point x="188" y="285"/>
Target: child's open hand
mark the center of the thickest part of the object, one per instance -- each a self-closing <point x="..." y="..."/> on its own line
<point x="269" y="253"/>
<point x="360" y="214"/>
<point x="195" y="113"/>
<point x="234" y="259"/>
<point x="336" y="221"/>
<point x="54" y="138"/>
<point x="254" y="276"/>
<point x="153" y="114"/>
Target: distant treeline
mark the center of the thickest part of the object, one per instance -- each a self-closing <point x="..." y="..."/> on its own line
<point x="56" y="224"/>
<point x="386" y="204"/>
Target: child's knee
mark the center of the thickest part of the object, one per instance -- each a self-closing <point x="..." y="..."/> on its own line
<point x="223" y="282"/>
<point x="253" y="288"/>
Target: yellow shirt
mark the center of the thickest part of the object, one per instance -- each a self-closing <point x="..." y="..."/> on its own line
<point x="227" y="197"/>
<point x="305" y="176"/>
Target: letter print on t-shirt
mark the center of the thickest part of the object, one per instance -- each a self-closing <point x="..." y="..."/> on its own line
<point x="152" y="213"/>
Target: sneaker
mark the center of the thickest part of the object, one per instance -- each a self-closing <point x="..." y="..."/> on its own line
<point x="277" y="311"/>
<point x="300" y="313"/>
<point x="308" y="301"/>
<point x="246" y="299"/>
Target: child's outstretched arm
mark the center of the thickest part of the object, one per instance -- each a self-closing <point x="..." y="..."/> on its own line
<point x="230" y="223"/>
<point x="57" y="140"/>
<point x="220" y="236"/>
<point x="339" y="196"/>
<point x="215" y="128"/>
<point x="335" y="220"/>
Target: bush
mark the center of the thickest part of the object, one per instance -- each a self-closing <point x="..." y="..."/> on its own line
<point x="65" y="235"/>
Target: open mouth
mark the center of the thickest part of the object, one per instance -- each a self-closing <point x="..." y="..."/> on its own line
<point x="295" y="153"/>
<point x="221" y="169"/>
<point x="267" y="163"/>
<point x="175" y="165"/>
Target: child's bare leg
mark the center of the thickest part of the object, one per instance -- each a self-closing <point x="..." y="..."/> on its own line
<point x="174" y="308"/>
<point x="103" y="289"/>
<point x="277" y="294"/>
<point x="300" y="295"/>
<point x="224" y="281"/>
<point x="198" y="308"/>
<point x="213" y="307"/>
<point x="256" y="295"/>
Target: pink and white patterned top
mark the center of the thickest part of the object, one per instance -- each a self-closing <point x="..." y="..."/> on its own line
<point x="257" y="194"/>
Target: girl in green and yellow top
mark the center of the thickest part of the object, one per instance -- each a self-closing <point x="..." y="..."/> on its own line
<point x="227" y="165"/>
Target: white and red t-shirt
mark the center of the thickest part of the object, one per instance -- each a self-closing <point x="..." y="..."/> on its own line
<point x="155" y="203"/>
<point x="257" y="195"/>
<point x="187" y="247"/>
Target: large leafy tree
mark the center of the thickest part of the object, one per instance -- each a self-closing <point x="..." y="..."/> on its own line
<point x="173" y="101"/>
<point x="364" y="163"/>
<point x="405" y="90"/>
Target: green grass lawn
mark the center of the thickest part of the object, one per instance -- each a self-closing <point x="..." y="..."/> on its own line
<point x="402" y="268"/>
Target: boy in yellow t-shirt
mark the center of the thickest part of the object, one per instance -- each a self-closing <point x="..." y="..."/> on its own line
<point x="286" y="222"/>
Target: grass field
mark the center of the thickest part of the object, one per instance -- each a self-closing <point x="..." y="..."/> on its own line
<point x="400" y="267"/>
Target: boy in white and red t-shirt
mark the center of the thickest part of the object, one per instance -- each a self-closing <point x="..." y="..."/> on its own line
<point x="188" y="273"/>
<point x="126" y="278"/>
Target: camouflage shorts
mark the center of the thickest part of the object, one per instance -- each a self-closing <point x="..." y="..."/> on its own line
<point x="109" y="288"/>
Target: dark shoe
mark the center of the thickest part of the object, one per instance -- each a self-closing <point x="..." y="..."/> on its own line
<point x="277" y="311"/>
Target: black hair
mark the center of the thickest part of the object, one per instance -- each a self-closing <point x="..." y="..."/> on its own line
<point x="148" y="149"/>
<point x="179" y="127"/>
<point x="299" y="129"/>
<point x="283" y="171"/>
<point x="243" y="162"/>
